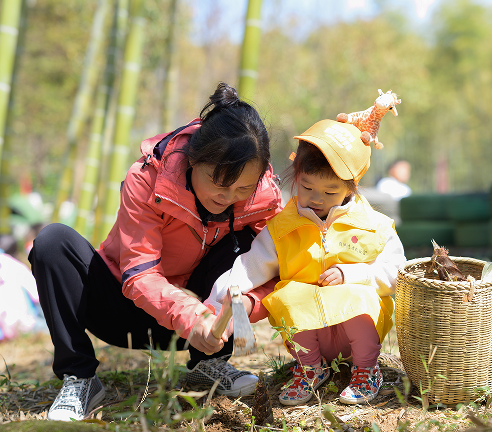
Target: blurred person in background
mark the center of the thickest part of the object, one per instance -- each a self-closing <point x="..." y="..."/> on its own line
<point x="19" y="302"/>
<point x="396" y="183"/>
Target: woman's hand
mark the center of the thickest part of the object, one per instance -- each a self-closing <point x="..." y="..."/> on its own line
<point x="332" y="276"/>
<point x="202" y="338"/>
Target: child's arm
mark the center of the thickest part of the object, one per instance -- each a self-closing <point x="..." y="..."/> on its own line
<point x="381" y="272"/>
<point x="250" y="270"/>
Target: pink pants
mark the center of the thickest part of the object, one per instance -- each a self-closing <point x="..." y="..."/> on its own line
<point x="356" y="337"/>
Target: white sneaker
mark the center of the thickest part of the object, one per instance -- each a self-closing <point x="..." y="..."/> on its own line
<point x="232" y="382"/>
<point x="77" y="398"/>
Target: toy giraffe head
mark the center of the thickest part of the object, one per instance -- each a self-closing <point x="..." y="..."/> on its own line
<point x="387" y="101"/>
<point x="368" y="121"/>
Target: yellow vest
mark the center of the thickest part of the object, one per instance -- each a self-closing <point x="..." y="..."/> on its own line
<point x="355" y="237"/>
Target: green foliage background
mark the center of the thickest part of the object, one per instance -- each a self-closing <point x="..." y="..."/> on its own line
<point x="442" y="75"/>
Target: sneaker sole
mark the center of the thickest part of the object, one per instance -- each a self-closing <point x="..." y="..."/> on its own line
<point x="360" y="401"/>
<point x="244" y="391"/>
<point x="295" y="402"/>
<point x="307" y="398"/>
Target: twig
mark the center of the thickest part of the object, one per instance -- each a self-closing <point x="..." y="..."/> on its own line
<point x="259" y="427"/>
<point x="143" y="421"/>
<point x="211" y="393"/>
<point x="209" y="398"/>
<point x="476" y="420"/>
<point x="129" y="337"/>
<point x="432" y="353"/>
<point x="146" y="392"/>
<point x="104" y="406"/>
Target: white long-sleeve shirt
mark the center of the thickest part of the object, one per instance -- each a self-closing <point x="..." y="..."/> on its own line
<point x="260" y="263"/>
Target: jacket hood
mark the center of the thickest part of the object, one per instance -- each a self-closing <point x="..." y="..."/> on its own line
<point x="171" y="193"/>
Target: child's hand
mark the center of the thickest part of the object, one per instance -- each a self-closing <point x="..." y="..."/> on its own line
<point x="332" y="276"/>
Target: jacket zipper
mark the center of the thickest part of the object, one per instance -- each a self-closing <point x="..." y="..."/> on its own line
<point x="205" y="231"/>
<point x="250" y="214"/>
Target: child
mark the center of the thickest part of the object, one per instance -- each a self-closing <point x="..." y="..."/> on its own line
<point x="337" y="259"/>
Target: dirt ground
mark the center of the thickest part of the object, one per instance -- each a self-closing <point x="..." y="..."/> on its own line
<point x="29" y="358"/>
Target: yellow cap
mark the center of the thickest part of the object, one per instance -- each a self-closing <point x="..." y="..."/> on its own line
<point x="341" y="144"/>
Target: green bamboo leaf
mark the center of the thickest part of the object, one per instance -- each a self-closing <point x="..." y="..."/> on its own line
<point x="400" y="397"/>
<point x="375" y="427"/>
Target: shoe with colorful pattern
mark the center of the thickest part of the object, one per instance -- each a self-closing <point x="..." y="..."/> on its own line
<point x="364" y="385"/>
<point x="300" y="388"/>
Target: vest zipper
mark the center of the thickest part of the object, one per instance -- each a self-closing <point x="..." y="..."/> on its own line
<point x="325" y="249"/>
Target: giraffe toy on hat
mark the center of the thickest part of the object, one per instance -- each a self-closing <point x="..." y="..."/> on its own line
<point x="368" y="121"/>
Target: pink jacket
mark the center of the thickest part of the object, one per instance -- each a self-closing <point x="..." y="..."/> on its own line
<point x="151" y="248"/>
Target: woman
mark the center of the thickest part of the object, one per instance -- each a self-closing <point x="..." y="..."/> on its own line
<point x="189" y="206"/>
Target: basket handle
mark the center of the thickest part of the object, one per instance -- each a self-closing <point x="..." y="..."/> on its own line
<point x="469" y="296"/>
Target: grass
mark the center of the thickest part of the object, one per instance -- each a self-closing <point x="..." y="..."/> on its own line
<point x="141" y="401"/>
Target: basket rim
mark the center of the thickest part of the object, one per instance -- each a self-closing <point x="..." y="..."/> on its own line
<point x="459" y="284"/>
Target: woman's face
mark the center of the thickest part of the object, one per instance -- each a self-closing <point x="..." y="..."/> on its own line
<point x="216" y="198"/>
<point x="320" y="193"/>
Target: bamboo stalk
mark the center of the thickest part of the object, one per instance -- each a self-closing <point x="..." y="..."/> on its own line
<point x="125" y="113"/>
<point x="9" y="31"/>
<point x="122" y="13"/>
<point x="170" y="70"/>
<point x="248" y="70"/>
<point x="94" y="152"/>
<point x="10" y="41"/>
<point x="81" y="106"/>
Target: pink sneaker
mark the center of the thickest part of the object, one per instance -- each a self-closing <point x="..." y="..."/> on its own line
<point x="364" y="385"/>
<point x="300" y="388"/>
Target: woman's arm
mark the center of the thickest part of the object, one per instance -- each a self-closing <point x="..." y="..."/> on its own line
<point x="143" y="280"/>
<point x="252" y="269"/>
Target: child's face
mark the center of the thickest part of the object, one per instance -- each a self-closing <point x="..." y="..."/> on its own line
<point x="320" y="193"/>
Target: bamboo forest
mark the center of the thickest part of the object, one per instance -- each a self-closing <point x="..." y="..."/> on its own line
<point x="74" y="115"/>
<point x="83" y="83"/>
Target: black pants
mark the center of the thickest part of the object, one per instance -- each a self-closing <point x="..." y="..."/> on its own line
<point x="77" y="291"/>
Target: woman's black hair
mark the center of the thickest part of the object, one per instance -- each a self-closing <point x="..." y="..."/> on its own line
<point x="232" y="134"/>
<point x="310" y="160"/>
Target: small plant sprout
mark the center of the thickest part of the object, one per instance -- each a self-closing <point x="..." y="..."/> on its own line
<point x="6" y="378"/>
<point x="288" y="333"/>
<point x="424" y="392"/>
<point x="335" y="366"/>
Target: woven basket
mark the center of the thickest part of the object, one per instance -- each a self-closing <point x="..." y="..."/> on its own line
<point x="432" y="313"/>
